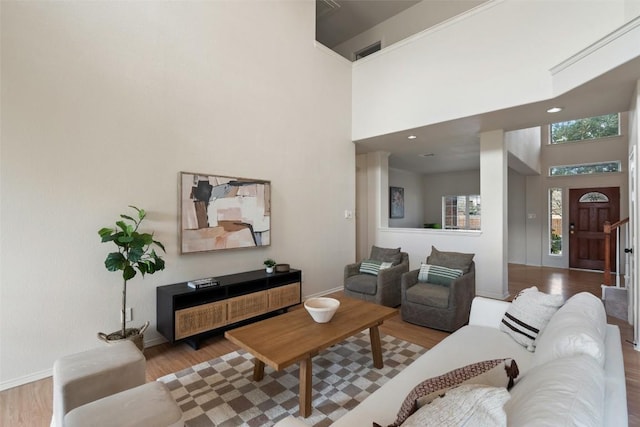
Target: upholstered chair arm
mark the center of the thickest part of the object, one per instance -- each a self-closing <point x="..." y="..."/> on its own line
<point x="351" y="269"/>
<point x="463" y="289"/>
<point x="391" y="276"/>
<point x="409" y="279"/>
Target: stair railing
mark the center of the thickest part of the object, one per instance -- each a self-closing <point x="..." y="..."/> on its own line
<point x="608" y="228"/>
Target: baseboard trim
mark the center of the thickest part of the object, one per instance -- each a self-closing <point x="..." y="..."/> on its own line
<point x="323" y="293"/>
<point x="16" y="382"/>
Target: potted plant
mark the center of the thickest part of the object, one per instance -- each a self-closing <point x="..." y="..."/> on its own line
<point x="269" y="264"/>
<point x="135" y="251"/>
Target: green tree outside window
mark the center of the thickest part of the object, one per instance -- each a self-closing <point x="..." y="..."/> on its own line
<point x="589" y="128"/>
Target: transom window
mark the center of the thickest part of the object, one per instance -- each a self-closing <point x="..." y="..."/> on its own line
<point x="461" y="212"/>
<point x="584" y="129"/>
<point x="594" y="197"/>
<point x="586" y="169"/>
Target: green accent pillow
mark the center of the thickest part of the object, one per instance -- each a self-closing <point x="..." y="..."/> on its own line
<point x="372" y="266"/>
<point x="438" y="275"/>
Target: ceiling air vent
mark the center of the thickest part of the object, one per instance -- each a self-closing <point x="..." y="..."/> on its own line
<point x="326" y="7"/>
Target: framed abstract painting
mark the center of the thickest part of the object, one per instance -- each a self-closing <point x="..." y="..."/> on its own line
<point x="222" y="212"/>
<point x="396" y="202"/>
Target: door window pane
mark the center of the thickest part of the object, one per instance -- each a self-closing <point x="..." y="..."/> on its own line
<point x="555" y="221"/>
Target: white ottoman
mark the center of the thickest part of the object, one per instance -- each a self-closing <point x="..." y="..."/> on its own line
<point x="91" y="375"/>
<point x="148" y="405"/>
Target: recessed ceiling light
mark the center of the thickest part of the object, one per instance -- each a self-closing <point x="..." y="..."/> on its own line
<point x="411" y="137"/>
<point x="554" y="110"/>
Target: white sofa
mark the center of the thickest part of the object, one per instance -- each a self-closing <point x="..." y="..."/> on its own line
<point x="575" y="377"/>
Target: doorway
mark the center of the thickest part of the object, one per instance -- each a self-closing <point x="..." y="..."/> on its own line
<point x="589" y="208"/>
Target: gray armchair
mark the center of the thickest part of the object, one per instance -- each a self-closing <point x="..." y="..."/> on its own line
<point x="383" y="289"/>
<point x="436" y="306"/>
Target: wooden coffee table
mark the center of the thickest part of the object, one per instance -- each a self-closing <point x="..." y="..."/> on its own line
<point x="294" y="337"/>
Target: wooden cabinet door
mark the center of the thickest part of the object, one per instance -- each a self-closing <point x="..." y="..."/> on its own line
<point x="284" y="296"/>
<point x="246" y="306"/>
<point x="193" y="320"/>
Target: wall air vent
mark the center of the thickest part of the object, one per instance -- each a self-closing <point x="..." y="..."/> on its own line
<point x="367" y="51"/>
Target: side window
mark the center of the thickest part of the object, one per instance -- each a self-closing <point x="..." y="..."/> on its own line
<point x="555" y="221"/>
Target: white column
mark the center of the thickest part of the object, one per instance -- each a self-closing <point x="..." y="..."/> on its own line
<point x="373" y="199"/>
<point x="492" y="276"/>
<point x="378" y="168"/>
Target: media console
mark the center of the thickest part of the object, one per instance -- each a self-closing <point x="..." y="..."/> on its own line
<point x="187" y="314"/>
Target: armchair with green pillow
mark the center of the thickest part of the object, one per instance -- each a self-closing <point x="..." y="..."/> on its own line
<point x="377" y="279"/>
<point x="439" y="294"/>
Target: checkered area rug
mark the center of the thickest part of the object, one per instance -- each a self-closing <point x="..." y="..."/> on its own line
<point x="221" y="392"/>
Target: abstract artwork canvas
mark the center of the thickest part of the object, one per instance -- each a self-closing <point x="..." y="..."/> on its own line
<point x="396" y="202"/>
<point x="223" y="212"/>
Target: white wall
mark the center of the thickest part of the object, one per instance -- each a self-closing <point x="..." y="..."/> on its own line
<point x="414" y="194"/>
<point x="634" y="289"/>
<point x="105" y="102"/>
<point x="447" y="184"/>
<point x="362" y="210"/>
<point x="523" y="146"/>
<point x="517" y="218"/>
<point x="406" y="23"/>
<point x="632" y="9"/>
<point x="445" y="64"/>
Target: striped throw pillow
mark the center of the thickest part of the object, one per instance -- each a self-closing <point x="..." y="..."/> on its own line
<point x="495" y="373"/>
<point x="529" y="314"/>
<point x="372" y="266"/>
<point x="438" y="275"/>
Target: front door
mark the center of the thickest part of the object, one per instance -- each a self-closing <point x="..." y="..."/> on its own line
<point x="589" y="208"/>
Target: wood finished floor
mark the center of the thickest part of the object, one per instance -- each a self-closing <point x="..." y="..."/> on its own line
<point x="30" y="405"/>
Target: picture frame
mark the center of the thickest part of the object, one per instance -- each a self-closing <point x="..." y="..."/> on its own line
<point x="396" y="202"/>
<point x="220" y="212"/>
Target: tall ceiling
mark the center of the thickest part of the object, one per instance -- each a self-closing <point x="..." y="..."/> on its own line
<point x="340" y="20"/>
<point x="455" y="145"/>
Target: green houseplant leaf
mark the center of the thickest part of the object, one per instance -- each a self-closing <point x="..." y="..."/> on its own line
<point x="134" y="252"/>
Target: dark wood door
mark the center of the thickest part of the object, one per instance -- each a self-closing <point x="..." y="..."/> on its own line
<point x="589" y="208"/>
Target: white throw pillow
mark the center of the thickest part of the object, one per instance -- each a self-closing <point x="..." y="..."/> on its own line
<point x="472" y="405"/>
<point x="579" y="327"/>
<point x="528" y="315"/>
<point x="564" y="392"/>
<point x="494" y="373"/>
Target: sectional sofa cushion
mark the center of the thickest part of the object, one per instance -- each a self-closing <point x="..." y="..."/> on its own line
<point x="569" y="391"/>
<point x="528" y="315"/>
<point x="467" y="405"/>
<point x="579" y="327"/>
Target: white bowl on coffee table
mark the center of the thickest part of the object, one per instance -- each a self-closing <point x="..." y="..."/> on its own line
<point x="322" y="309"/>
